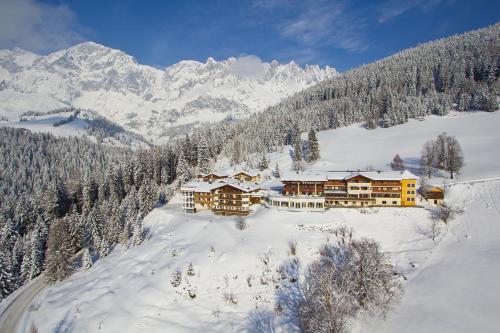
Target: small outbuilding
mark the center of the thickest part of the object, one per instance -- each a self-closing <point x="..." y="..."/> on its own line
<point x="433" y="195"/>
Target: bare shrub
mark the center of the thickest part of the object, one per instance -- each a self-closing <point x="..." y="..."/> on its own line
<point x="434" y="229"/>
<point x="292" y="247"/>
<point x="176" y="278"/>
<point x="350" y="277"/>
<point x="445" y="213"/>
<point x="230" y="298"/>
<point x="241" y="223"/>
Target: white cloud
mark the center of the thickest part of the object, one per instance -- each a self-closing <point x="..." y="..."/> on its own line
<point x="314" y="23"/>
<point x="393" y="8"/>
<point x="36" y="26"/>
<point x="248" y="66"/>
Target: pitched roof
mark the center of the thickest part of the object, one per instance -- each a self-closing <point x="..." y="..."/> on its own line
<point x="343" y="175"/>
<point x="218" y="174"/>
<point x="295" y="176"/>
<point x="205" y="187"/>
<point x="249" y="173"/>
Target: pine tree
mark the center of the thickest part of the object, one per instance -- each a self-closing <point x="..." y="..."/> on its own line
<point x="148" y="197"/>
<point x="312" y="147"/>
<point x="103" y="248"/>
<point x="190" y="270"/>
<point x="89" y="190"/>
<point x="277" y="171"/>
<point x="58" y="264"/>
<point x="137" y="235"/>
<point x="7" y="282"/>
<point x="297" y="151"/>
<point x="56" y="199"/>
<point x="263" y="164"/>
<point x="37" y="253"/>
<point x="176" y="278"/>
<point x="93" y="226"/>
<point x="203" y="156"/>
<point x="397" y="163"/>
<point x="183" y="173"/>
<point x="87" y="261"/>
<point x="117" y="187"/>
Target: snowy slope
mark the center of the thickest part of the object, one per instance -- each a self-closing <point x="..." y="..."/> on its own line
<point x="457" y="289"/>
<point x="451" y="284"/>
<point x="77" y="127"/>
<point x="148" y="100"/>
<point x="353" y="147"/>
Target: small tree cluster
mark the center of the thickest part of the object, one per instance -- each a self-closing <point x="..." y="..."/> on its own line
<point x="397" y="163"/>
<point x="443" y="153"/>
<point x="350" y="277"/>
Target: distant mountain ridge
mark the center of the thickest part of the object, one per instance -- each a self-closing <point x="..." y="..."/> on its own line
<point x="144" y="99"/>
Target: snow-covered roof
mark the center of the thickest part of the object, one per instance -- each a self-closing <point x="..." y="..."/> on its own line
<point x="249" y="173"/>
<point x="295" y="176"/>
<point x="206" y="187"/>
<point x="218" y="174"/>
<point x="343" y="175"/>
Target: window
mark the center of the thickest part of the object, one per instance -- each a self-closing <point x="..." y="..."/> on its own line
<point x="384" y="202"/>
<point x="408" y="199"/>
<point x="408" y="192"/>
<point x="394" y="202"/>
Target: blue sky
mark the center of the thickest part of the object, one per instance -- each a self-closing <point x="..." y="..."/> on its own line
<point x="341" y="34"/>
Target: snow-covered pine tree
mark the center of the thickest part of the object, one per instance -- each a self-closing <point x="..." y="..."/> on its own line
<point x="397" y="163"/>
<point x="297" y="151"/>
<point x="103" y="248"/>
<point x="176" y="278"/>
<point x="89" y="191"/>
<point x="7" y="282"/>
<point x="55" y="199"/>
<point x="37" y="253"/>
<point x="117" y="187"/>
<point x="276" y="172"/>
<point x="263" y="164"/>
<point x="183" y="172"/>
<point x="87" y="261"/>
<point x="137" y="234"/>
<point x="190" y="270"/>
<point x="203" y="156"/>
<point x="312" y="147"/>
<point x="58" y="264"/>
<point x="148" y="197"/>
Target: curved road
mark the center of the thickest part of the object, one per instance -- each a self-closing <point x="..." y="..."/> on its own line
<point x="11" y="316"/>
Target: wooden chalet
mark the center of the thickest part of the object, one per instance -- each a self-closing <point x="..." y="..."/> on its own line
<point x="221" y="197"/>
<point x="433" y="195"/>
<point x="353" y="189"/>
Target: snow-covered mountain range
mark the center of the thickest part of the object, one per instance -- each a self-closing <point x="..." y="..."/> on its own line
<point x="153" y="102"/>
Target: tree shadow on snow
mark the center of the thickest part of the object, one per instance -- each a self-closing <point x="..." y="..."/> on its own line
<point x="66" y="325"/>
<point x="288" y="299"/>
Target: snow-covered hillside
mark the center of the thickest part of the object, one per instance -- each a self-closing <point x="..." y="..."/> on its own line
<point x="85" y="124"/>
<point x="354" y="147"/>
<point x="451" y="283"/>
<point x="147" y="100"/>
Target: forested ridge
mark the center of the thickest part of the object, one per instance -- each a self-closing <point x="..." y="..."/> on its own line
<point x="460" y="72"/>
<point x="63" y="195"/>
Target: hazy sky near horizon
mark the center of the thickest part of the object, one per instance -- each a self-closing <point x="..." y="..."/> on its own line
<point x="341" y="34"/>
